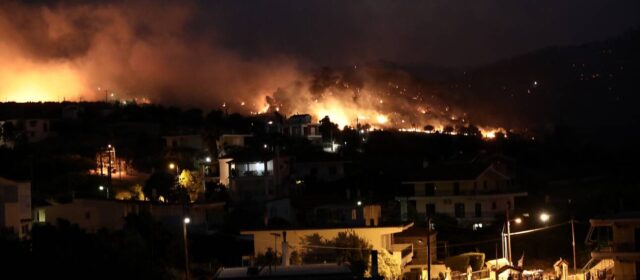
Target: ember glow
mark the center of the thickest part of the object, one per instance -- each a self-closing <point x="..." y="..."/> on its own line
<point x="24" y="81"/>
<point x="109" y="60"/>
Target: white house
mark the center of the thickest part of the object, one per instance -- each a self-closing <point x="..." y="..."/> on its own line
<point x="473" y="193"/>
<point x="15" y="206"/>
<point x="616" y="240"/>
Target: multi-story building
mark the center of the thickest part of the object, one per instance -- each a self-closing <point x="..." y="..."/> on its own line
<point x="26" y="130"/>
<point x="258" y="177"/>
<point x="473" y="193"/>
<point x="616" y="242"/>
<point x="15" y="206"/>
<point x="302" y="126"/>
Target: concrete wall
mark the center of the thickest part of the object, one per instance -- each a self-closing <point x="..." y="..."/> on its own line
<point x="378" y="237"/>
<point x="93" y="215"/>
<point x="323" y="170"/>
<point x="15" y="206"/>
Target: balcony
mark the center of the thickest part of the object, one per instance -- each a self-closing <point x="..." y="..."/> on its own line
<point x="616" y="250"/>
<point x="403" y="252"/>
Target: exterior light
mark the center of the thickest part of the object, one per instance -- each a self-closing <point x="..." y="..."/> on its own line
<point x="544" y="217"/>
<point x="109" y="146"/>
<point x="265" y="146"/>
<point x="172" y="166"/>
<point x="208" y="159"/>
<point x="187" y="220"/>
<point x="518" y="220"/>
<point x="101" y="188"/>
<point x="359" y="203"/>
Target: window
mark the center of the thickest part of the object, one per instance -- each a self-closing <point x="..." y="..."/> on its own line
<point x="429" y="189"/>
<point x="87" y="215"/>
<point x="41" y="216"/>
<point x="478" y="210"/>
<point x="459" y="210"/>
<point x="456" y="188"/>
<point x="430" y="209"/>
<point x="333" y="170"/>
<point x="25" y="229"/>
<point x="493" y="205"/>
<point x="485" y="185"/>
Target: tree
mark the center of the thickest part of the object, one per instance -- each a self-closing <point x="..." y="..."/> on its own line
<point x="159" y="184"/>
<point x="328" y="129"/>
<point x="429" y="128"/>
<point x="192" y="184"/>
<point x="347" y="248"/>
<point x="388" y="267"/>
<point x="448" y="129"/>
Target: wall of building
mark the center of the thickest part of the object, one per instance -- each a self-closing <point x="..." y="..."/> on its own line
<point x="322" y="171"/>
<point x="446" y="205"/>
<point x="93" y="215"/>
<point x="378" y="237"/>
<point x="15" y="201"/>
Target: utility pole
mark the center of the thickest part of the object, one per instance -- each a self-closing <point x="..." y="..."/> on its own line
<point x="573" y="244"/>
<point x="429" y="248"/>
<point x="509" y="238"/>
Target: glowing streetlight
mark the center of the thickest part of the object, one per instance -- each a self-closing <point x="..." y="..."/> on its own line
<point x="102" y="188"/>
<point x="185" y="222"/>
<point x="174" y="166"/>
<point x="359" y="203"/>
<point x="207" y="159"/>
<point x="518" y="220"/>
<point x="544" y="217"/>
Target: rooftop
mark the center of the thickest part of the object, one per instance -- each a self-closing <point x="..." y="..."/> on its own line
<point x="450" y="172"/>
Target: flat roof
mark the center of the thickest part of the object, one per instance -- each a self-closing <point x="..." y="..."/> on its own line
<point x="287" y="228"/>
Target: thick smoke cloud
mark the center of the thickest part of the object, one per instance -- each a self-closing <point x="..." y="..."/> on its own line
<point x="144" y="49"/>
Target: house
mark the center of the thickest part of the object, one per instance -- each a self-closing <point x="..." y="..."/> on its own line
<point x="616" y="242"/>
<point x="189" y="141"/>
<point x="15" y="206"/>
<point x="256" y="176"/>
<point x="291" y="239"/>
<point x="318" y="167"/>
<point x="302" y="126"/>
<point x="95" y="214"/>
<point x="228" y="142"/>
<point x="417" y="236"/>
<point x="473" y="193"/>
<point x="28" y="130"/>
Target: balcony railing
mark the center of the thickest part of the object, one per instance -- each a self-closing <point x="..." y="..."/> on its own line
<point x="250" y="174"/>
<point x="617" y="247"/>
<point x="405" y="249"/>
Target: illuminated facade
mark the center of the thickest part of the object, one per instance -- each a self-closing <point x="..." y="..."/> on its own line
<point x="15" y="206"/>
<point x="616" y="241"/>
<point x="474" y="194"/>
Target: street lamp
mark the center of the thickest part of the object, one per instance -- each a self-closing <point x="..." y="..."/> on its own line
<point x="185" y="222"/>
<point x="544" y="217"/>
<point x="508" y="235"/>
<point x="174" y="166"/>
<point x="102" y="188"/>
<point x="208" y="159"/>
